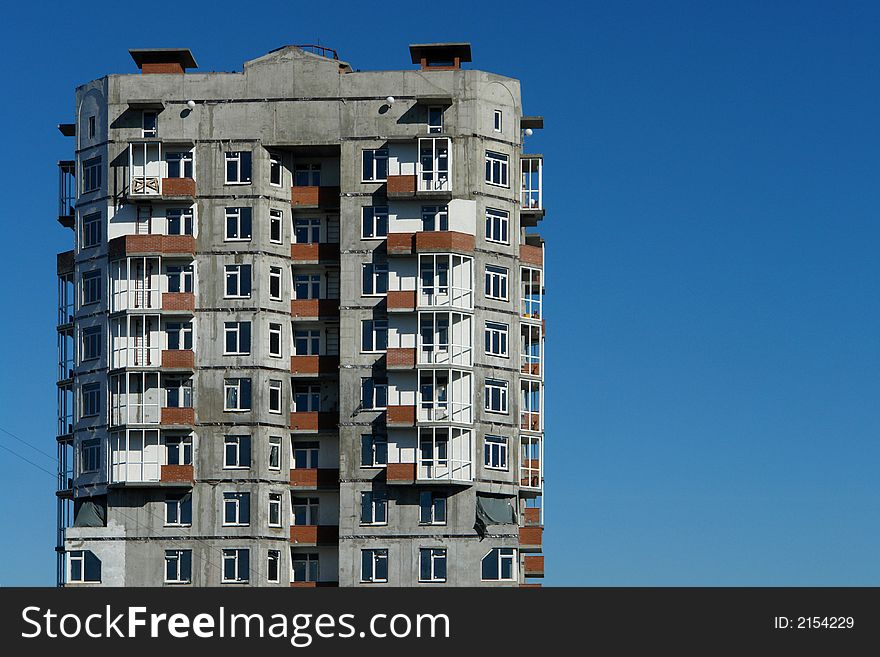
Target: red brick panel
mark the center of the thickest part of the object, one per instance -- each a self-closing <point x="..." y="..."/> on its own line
<point x="402" y="300"/>
<point x="149" y="68"/>
<point x="401" y="416"/>
<point x="314" y="534"/>
<point x="530" y="535"/>
<point x="531" y="255"/>
<point x="534" y="566"/>
<point x="178" y="301"/>
<point x="311" y="195"/>
<point x="532" y="515"/>
<point x="400" y="359"/>
<point x="314" y="364"/>
<point x="313" y="422"/>
<point x="134" y="244"/>
<point x="400" y="473"/>
<point x="64" y="262"/>
<point x="400" y="243"/>
<point x="444" y="240"/>
<point x="178" y="187"/>
<point x="178" y="358"/>
<point x="308" y="308"/>
<point x="314" y="478"/>
<point x="178" y="416"/>
<point x="177" y="473"/>
<point x="401" y="184"/>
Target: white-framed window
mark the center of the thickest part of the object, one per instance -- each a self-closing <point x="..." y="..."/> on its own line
<point x="275" y="443"/>
<point x="236" y="509"/>
<point x="90" y="231"/>
<point x="276" y="226"/>
<point x="178" y="391"/>
<point x="90" y="455"/>
<point x="181" y="278"/>
<point x="374" y="336"/>
<point x="90" y="396"/>
<point x="496" y="168"/>
<point x="495" y="396"/>
<point x="236" y="565"/>
<point x="435" y="119"/>
<point x="375" y="279"/>
<point x="497" y="226"/>
<point x="276" y="171"/>
<point x="307" y="342"/>
<point x="435" y="217"/>
<point x="375" y="167"/>
<point x="178" y="566"/>
<point x="274" y="396"/>
<point x="275" y="338"/>
<point x="304" y="511"/>
<point x="149" y="123"/>
<point x="91" y="287"/>
<point x="374" y="507"/>
<point x="307" y="230"/>
<point x="307" y="286"/>
<point x="239" y="224"/>
<point x="238" y="167"/>
<point x="496" y="282"/>
<point x="275" y="274"/>
<point x="237" y="394"/>
<point x="307" y="175"/>
<point x="273" y="565"/>
<point x="304" y="454"/>
<point x="499" y="565"/>
<point x="274" y="509"/>
<point x="495" y="452"/>
<point x="179" y="335"/>
<point x="83" y="566"/>
<point x="236" y="452"/>
<point x="374" y="394"/>
<point x="374" y="222"/>
<point x="91" y="343"/>
<point x="238" y="281"/>
<point x="497" y="120"/>
<point x="374" y="450"/>
<point x="178" y="509"/>
<point x="304" y="566"/>
<point x="179" y="221"/>
<point x="374" y="565"/>
<point x="236" y="338"/>
<point x="91" y="178"/>
<point x="496" y="339"/>
<point x="307" y="398"/>
<point x="180" y="164"/>
<point x="432" y="508"/>
<point x="179" y="450"/>
<point x="432" y="564"/>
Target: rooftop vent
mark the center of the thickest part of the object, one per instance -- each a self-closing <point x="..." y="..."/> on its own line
<point x="440" y="56"/>
<point x="163" y="60"/>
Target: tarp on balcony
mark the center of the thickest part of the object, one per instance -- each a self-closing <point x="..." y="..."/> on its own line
<point x="493" y="510"/>
<point x="91" y="513"/>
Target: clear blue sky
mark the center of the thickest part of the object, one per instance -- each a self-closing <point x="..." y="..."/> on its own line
<point x="712" y="184"/>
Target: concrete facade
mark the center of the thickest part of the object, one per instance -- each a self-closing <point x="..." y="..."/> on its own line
<point x="156" y="368"/>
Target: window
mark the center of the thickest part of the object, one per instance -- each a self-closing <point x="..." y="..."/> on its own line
<point x="90" y="455"/>
<point x="303" y="567"/>
<point x="304" y="455"/>
<point x="374" y="394"/>
<point x="238" y="281"/>
<point x="374" y="565"/>
<point x="375" y="279"/>
<point x="91" y="399"/>
<point x="496" y="168"/>
<point x="91" y="343"/>
<point x="179" y="221"/>
<point x="307" y="231"/>
<point x="178" y="566"/>
<point x="236" y="452"/>
<point x="307" y="342"/>
<point x="238" y="167"/>
<point x="149" y="127"/>
<point x="273" y="565"/>
<point x="496" y="282"/>
<point x="236" y="565"/>
<point x="374" y="222"/>
<point x="499" y="565"/>
<point x="236" y="509"/>
<point x="92" y="127"/>
<point x="91" y="230"/>
<point x="307" y="286"/>
<point x="180" y="335"/>
<point x="435" y="217"/>
<point x="275" y="340"/>
<point x="276" y="234"/>
<point x="374" y="451"/>
<point x="374" y="335"/>
<point x="432" y="508"/>
<point x="374" y="508"/>
<point x="497" y="120"/>
<point x="91" y="287"/>
<point x="275" y="171"/>
<point x="304" y="510"/>
<point x="495" y="452"/>
<point x="238" y="224"/>
<point x="274" y="396"/>
<point x="275" y="452"/>
<point x="307" y="175"/>
<point x="495" y="396"/>
<point x="432" y="564"/>
<point x="179" y="450"/>
<point x="274" y="509"/>
<point x="496" y="339"/>
<point x="180" y="278"/>
<point x="178" y="509"/>
<point x="497" y="226"/>
<point x="237" y="394"/>
<point x="84" y="566"/>
<point x="180" y="165"/>
<point x="91" y="170"/>
<point x="237" y="338"/>
<point x="375" y="165"/>
<point x="307" y="399"/>
<point x="275" y="283"/>
<point x="435" y="119"/>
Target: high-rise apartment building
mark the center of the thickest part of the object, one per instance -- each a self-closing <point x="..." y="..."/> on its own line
<point x="301" y="332"/>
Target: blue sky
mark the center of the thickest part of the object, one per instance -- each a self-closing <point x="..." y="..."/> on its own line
<point x="711" y="179"/>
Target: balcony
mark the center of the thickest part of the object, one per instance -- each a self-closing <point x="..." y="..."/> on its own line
<point x="401" y="187"/>
<point x="533" y="565"/>
<point x="314" y="535"/>
<point x="531" y="404"/>
<point x="177" y="416"/>
<point x="531" y="349"/>
<point x="312" y="366"/>
<point x="445" y="456"/>
<point x="400" y="359"/>
<point x="531" y="189"/>
<point x="314" y="478"/>
<point x="179" y="359"/>
<point x="400" y="474"/>
<point x="67" y="193"/>
<point x="434" y="241"/>
<point x="531" y="293"/>
<point x="400" y="416"/>
<point x="530" y="474"/>
<point x="134" y="245"/>
<point x="177" y="474"/>
<point x="64" y="263"/>
<point x="314" y="309"/>
<point x="314" y="253"/>
<point x="403" y="301"/>
<point x="312" y="197"/>
<point x="531" y="539"/>
<point x="313" y="421"/>
<point x="532" y="516"/>
<point x="148" y="174"/>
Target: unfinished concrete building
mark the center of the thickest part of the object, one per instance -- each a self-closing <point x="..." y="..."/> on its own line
<point x="301" y="330"/>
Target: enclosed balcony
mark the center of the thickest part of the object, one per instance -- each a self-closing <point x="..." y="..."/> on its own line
<point x="446" y="280"/>
<point x="531" y="184"/>
<point x="445" y="455"/>
<point x="445" y="396"/>
<point x="445" y="338"/>
<point x="531" y="472"/>
<point x="67" y="193"/>
<point x="531" y="405"/>
<point x="152" y="176"/>
<point x="135" y="341"/>
<point x="420" y="170"/>
<point x="135" y="398"/>
<point x="532" y="350"/>
<point x="531" y="293"/>
<point x="141" y="456"/>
